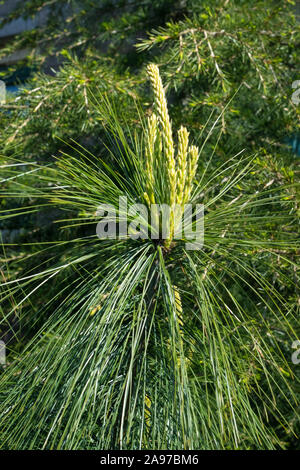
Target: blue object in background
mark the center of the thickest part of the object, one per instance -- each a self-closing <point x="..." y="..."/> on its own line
<point x="15" y="80"/>
<point x="294" y="142"/>
<point x="13" y="88"/>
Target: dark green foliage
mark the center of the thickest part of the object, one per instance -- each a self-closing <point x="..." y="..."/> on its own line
<point x="100" y="355"/>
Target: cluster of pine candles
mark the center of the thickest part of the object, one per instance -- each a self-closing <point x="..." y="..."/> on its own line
<point x="160" y="156"/>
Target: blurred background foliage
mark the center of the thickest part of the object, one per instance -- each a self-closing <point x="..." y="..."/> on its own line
<point x="237" y="58"/>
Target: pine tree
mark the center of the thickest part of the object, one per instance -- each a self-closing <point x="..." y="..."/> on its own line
<point x="132" y="343"/>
